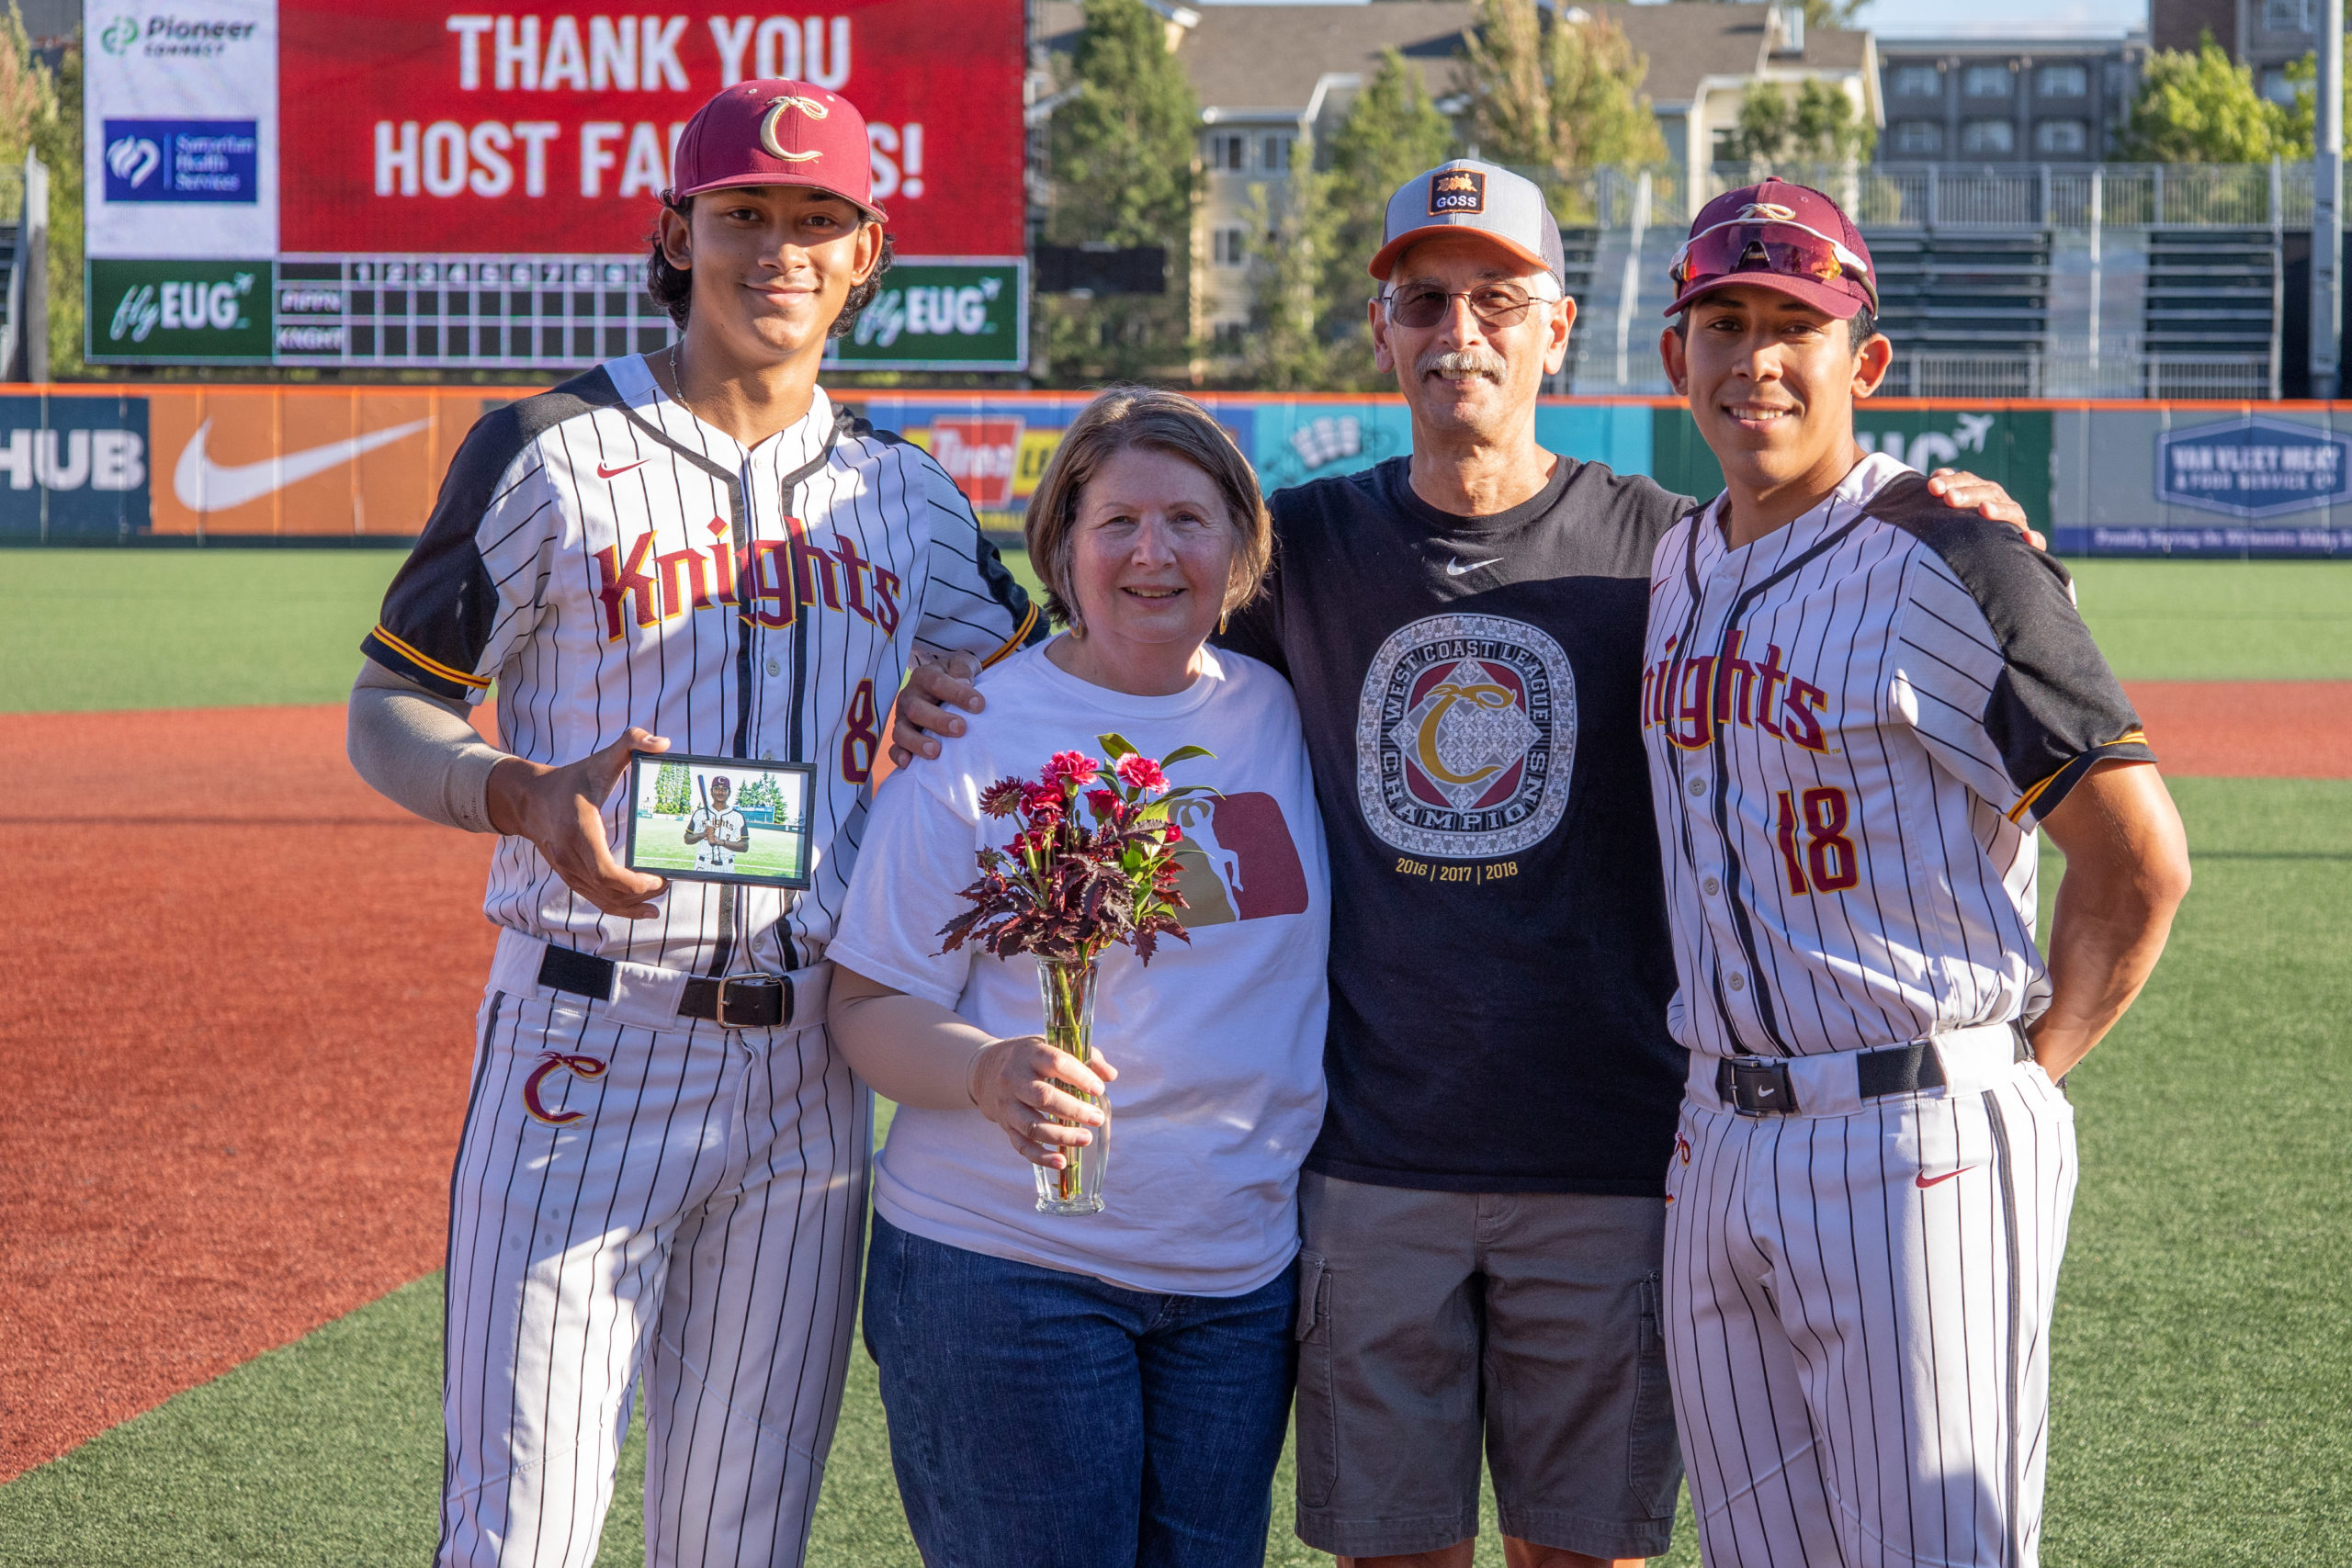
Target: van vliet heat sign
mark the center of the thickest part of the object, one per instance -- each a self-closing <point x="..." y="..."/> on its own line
<point x="2254" y="466"/>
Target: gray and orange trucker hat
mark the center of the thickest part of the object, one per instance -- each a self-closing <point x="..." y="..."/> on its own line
<point x="1482" y="198"/>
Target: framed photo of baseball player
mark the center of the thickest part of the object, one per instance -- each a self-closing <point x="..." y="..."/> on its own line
<point x="719" y="819"/>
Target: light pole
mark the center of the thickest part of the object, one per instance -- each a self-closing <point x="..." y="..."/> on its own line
<point x="2327" y="217"/>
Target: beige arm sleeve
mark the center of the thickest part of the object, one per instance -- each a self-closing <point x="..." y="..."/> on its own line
<point x="419" y="751"/>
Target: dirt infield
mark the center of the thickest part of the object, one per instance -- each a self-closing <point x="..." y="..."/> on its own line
<point x="240" y="1026"/>
<point x="2248" y="729"/>
<point x="237" y="1042"/>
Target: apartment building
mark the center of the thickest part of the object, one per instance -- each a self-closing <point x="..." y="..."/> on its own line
<point x="2266" y="35"/>
<point x="1998" y="101"/>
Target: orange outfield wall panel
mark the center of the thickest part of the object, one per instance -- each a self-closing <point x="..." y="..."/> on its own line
<point x="304" y="462"/>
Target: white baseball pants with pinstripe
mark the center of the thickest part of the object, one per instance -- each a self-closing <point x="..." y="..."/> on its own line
<point x="1858" y="1310"/>
<point x="687" y="1202"/>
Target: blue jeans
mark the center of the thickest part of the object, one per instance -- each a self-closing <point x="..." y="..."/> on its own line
<point x="1041" y="1420"/>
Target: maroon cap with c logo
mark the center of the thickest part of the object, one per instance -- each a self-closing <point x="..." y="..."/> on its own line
<point x="777" y="133"/>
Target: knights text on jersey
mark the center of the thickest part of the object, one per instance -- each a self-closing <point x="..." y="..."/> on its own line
<point x="1853" y="726"/>
<point x="607" y="560"/>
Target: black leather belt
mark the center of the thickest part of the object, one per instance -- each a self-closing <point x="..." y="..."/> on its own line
<point x="1761" y="1086"/>
<point x="734" y="1001"/>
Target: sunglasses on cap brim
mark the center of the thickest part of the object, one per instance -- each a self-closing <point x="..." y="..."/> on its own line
<point x="1777" y="245"/>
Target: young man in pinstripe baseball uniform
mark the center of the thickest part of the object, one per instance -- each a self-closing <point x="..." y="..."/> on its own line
<point x="663" y="1164"/>
<point x="1858" y="706"/>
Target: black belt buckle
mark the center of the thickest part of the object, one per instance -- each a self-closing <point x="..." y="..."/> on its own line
<point x="758" y="1001"/>
<point x="1760" y="1087"/>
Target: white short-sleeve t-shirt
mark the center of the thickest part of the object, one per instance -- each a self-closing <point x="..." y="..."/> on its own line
<point x="1218" y="1043"/>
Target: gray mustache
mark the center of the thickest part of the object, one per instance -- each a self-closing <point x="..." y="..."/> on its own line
<point x="1462" y="362"/>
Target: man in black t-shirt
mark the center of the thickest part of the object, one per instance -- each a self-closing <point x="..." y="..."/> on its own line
<point x="1482" y="1216"/>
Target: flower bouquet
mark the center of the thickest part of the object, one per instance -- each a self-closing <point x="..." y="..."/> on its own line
<point x="1062" y="891"/>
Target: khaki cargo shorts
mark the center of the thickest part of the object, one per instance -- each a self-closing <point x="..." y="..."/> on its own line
<point x="1434" y="1323"/>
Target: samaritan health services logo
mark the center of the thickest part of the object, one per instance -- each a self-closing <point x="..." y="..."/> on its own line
<point x="1465" y="736"/>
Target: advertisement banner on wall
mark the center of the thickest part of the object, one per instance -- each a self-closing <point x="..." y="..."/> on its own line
<point x="74" y="469"/>
<point x="178" y="312"/>
<point x="343" y="141"/>
<point x="996" y="448"/>
<point x="2178" y="479"/>
<point x="2002" y="442"/>
<point x="950" y="315"/>
<point x="180" y="136"/>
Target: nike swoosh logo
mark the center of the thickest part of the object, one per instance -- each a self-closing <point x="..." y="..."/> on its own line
<point x="202" y="485"/>
<point x="1456" y="568"/>
<point x="1924" y="1179"/>
<point x="604" y="473"/>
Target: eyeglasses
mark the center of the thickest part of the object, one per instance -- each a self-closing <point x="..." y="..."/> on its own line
<point x="1776" y="245"/>
<point x="1419" y="305"/>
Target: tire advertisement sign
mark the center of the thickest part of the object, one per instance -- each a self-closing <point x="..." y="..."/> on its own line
<point x="342" y="142"/>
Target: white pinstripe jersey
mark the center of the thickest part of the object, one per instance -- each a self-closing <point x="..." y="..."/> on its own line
<point x="1853" y="725"/>
<point x="607" y="560"/>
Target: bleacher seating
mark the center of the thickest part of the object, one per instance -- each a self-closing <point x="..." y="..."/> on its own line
<point x="1577" y="249"/>
<point x="2210" y="290"/>
<point x="1964" y="290"/>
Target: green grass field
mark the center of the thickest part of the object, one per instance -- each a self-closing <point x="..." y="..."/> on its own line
<point x="662" y="846"/>
<point x="2201" y="1362"/>
<point x="222" y="627"/>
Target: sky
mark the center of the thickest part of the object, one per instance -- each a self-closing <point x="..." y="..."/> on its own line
<point x="1937" y="18"/>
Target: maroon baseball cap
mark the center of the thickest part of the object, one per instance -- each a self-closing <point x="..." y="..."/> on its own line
<point x="1779" y="236"/>
<point x="777" y="133"/>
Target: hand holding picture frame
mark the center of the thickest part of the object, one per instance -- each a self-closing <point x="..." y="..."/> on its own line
<point x="720" y="820"/>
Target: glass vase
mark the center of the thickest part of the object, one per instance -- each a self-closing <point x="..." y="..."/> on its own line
<point x="1068" y="992"/>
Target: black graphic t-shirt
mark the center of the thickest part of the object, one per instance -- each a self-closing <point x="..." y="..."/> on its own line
<point x="1470" y="689"/>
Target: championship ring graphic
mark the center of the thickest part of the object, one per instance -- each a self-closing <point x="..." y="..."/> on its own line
<point x="1465" y="736"/>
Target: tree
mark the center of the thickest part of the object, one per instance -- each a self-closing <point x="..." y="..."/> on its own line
<point x="1817" y="124"/>
<point x="672" y="790"/>
<point x="2201" y="108"/>
<point x="1562" y="97"/>
<point x="42" y="110"/>
<point x="1125" y="172"/>
<point x="1308" y="322"/>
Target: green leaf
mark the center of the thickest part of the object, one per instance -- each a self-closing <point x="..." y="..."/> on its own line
<point x="1116" y="746"/>
<point x="1184" y="754"/>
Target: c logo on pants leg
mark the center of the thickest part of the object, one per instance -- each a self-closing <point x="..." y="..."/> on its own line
<point x="549" y="1061"/>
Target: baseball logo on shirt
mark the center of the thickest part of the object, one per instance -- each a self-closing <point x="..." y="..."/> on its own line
<point x="1465" y="736"/>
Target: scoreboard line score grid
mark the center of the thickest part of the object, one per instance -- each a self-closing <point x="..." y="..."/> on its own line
<point x="492" y="313"/>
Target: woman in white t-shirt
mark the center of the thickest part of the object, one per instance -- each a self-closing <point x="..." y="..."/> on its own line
<point x="1068" y="1392"/>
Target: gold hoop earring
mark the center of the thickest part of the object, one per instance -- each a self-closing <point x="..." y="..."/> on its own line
<point x="1223" y="616"/>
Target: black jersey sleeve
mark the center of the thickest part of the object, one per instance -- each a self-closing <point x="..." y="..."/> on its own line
<point x="2001" y="673"/>
<point x="469" y="589"/>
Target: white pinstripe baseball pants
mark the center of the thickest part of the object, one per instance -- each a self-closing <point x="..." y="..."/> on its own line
<point x="690" y="1202"/>
<point x="1857" y="1317"/>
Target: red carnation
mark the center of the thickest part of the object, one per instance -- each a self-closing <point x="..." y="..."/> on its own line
<point x="1139" y="772"/>
<point x="1072" y="768"/>
<point x="1042" y="800"/>
<point x="1103" y="802"/>
<point x="1175" y="834"/>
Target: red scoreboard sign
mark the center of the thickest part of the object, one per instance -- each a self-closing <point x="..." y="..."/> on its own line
<point x="412" y="129"/>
